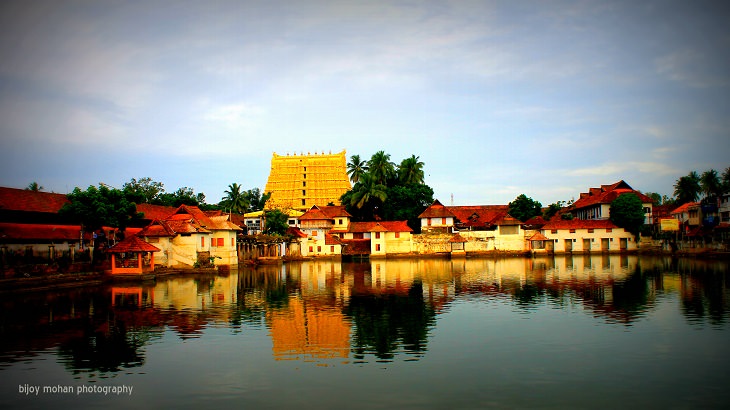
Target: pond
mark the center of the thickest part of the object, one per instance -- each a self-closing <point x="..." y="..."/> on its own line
<point x="586" y="331"/>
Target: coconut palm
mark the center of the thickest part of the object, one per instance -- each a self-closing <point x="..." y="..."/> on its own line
<point x="410" y="171"/>
<point x="33" y="186"/>
<point x="234" y="200"/>
<point x="368" y="192"/>
<point x="381" y="168"/>
<point x="710" y="184"/>
<point x="356" y="168"/>
<point x="687" y="188"/>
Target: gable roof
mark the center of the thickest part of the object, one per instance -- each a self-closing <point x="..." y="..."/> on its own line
<point x="15" y="231"/>
<point x="14" y="199"/>
<point x="480" y="215"/>
<point x="132" y="244"/>
<point x="314" y="213"/>
<point x="684" y="208"/>
<point x="436" y="210"/>
<point x="607" y="194"/>
<point x="152" y="212"/>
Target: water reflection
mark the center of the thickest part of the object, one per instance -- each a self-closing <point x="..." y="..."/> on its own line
<point x="330" y="312"/>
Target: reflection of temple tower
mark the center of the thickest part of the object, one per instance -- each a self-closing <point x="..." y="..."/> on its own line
<point x="306" y="331"/>
<point x="300" y="181"/>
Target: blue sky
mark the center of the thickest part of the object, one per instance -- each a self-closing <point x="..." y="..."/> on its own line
<point x="497" y="98"/>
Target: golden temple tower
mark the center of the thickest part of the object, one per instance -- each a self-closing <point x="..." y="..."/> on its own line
<point x="300" y="181"/>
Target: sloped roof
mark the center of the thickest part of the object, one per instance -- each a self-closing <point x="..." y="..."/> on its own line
<point x="538" y="237"/>
<point x="14" y="199"/>
<point x="579" y="224"/>
<point x="314" y="213"/>
<point x="607" y="194"/>
<point x="684" y="208"/>
<point x="380" y="226"/>
<point x="332" y="240"/>
<point x="132" y="244"/>
<point x="479" y="215"/>
<point x="457" y="239"/>
<point x="152" y="212"/>
<point x="15" y="231"/>
<point x="199" y="216"/>
<point x="224" y="222"/>
<point x="295" y="232"/>
<point x="436" y="210"/>
<point x="335" y="211"/>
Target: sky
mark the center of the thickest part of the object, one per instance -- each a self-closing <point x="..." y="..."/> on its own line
<point x="496" y="98"/>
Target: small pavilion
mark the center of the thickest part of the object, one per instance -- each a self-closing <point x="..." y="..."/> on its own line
<point x="128" y="256"/>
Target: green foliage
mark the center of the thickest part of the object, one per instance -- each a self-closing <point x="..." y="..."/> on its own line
<point x="356" y="168"/>
<point x="276" y="223"/>
<point x="406" y="202"/>
<point x="524" y="208"/>
<point x="183" y="196"/>
<point x="710" y="183"/>
<point x="234" y="201"/>
<point x="552" y="209"/>
<point x="33" y="186"/>
<point x="102" y="206"/>
<point x="256" y="201"/>
<point x="687" y="188"/>
<point x="410" y="171"/>
<point x="627" y="211"/>
<point x="143" y="191"/>
<point x="380" y="168"/>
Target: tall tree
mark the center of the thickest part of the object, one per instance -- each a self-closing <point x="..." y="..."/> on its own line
<point x="380" y="168"/>
<point x="234" y="201"/>
<point x="33" y="186"/>
<point x="627" y="211"/>
<point x="143" y="191"/>
<point x="552" y="209"/>
<point x="687" y="188"/>
<point x="711" y="184"/>
<point x="406" y="202"/>
<point x="256" y="201"/>
<point x="368" y="194"/>
<point x="524" y="208"/>
<point x="726" y="180"/>
<point x="356" y="168"/>
<point x="98" y="207"/>
<point x="276" y="222"/>
<point x="410" y="171"/>
<point x="183" y="196"/>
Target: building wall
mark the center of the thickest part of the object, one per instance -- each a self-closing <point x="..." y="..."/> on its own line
<point x="227" y="253"/>
<point x="430" y="223"/>
<point x="584" y="241"/>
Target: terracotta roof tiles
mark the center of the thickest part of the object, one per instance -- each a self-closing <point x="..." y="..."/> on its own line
<point x="31" y="201"/>
<point x="132" y="244"/>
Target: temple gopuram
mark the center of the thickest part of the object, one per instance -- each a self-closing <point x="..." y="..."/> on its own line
<point x="300" y="181"/>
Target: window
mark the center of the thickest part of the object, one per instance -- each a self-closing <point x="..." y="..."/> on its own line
<point x="233" y="242"/>
<point x="377" y="235"/>
<point x="202" y="241"/>
<point x="305" y="169"/>
<point x="555" y="231"/>
<point x="428" y="221"/>
<point x="304" y="183"/>
<point x="339" y="221"/>
<point x="397" y="235"/>
<point x="303" y="202"/>
<point x="319" y="249"/>
<point x="292" y="222"/>
<point x="377" y="247"/>
<point x="213" y="242"/>
<point x="305" y="176"/>
<point x="221" y="242"/>
<point x="443" y="221"/>
<point x="314" y="233"/>
<point x="304" y="192"/>
<point x="590" y="230"/>
<point x="572" y="231"/>
<point x="332" y="249"/>
<point x="311" y="249"/>
<point x="609" y="229"/>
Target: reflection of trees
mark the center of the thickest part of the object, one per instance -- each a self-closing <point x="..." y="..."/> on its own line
<point x="705" y="293"/>
<point x="386" y="321"/>
<point x="105" y="351"/>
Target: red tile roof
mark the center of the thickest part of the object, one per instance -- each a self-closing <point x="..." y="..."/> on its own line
<point x="606" y="194"/>
<point x="332" y="240"/>
<point x="436" y="210"/>
<point x="538" y="237"/>
<point x="481" y="215"/>
<point x="152" y="212"/>
<point x="457" y="239"/>
<point x="579" y="224"/>
<point x="295" y="232"/>
<point x="335" y="211"/>
<point x="132" y="244"/>
<point x="380" y="226"/>
<point x="13" y="199"/>
<point x="15" y="231"/>
<point x="315" y="213"/>
<point x="684" y="208"/>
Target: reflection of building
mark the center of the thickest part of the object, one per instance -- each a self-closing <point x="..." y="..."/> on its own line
<point x="304" y="330"/>
<point x="300" y="181"/>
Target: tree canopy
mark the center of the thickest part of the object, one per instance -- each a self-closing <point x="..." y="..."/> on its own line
<point x="627" y="211"/>
<point x="524" y="208"/>
<point x="98" y="207"/>
<point x="276" y="222"/>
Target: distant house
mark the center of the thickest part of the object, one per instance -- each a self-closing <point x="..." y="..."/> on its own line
<point x="576" y="235"/>
<point x="596" y="203"/>
<point x="319" y="222"/>
<point x="189" y="237"/>
<point x="384" y="237"/>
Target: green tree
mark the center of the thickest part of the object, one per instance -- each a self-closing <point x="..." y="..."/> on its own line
<point x="687" y="188"/>
<point x="98" y="207"/>
<point x="552" y="209"/>
<point x="183" y="196"/>
<point x="276" y="222"/>
<point x="406" y="202"/>
<point x="234" y="201"/>
<point x="410" y="171"/>
<point x="627" y="211"/>
<point x="256" y="201"/>
<point x="655" y="197"/>
<point x="726" y="180"/>
<point x="356" y="168"/>
<point x="380" y="168"/>
<point x="524" y="208"/>
<point x="143" y="191"/>
<point x="33" y="186"/>
<point x="711" y="184"/>
<point x="368" y="193"/>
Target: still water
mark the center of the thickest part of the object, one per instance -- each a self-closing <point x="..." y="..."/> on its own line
<point x="566" y="332"/>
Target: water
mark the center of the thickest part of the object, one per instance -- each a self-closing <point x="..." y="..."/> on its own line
<point x="566" y="332"/>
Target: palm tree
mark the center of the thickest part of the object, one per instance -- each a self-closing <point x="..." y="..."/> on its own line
<point x="367" y="191"/>
<point x="687" y="188"/>
<point x="381" y="168"/>
<point x="710" y="183"/>
<point x="726" y="180"/>
<point x="410" y="171"/>
<point x="33" y="186"/>
<point x="234" y="200"/>
<point x="356" y="168"/>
